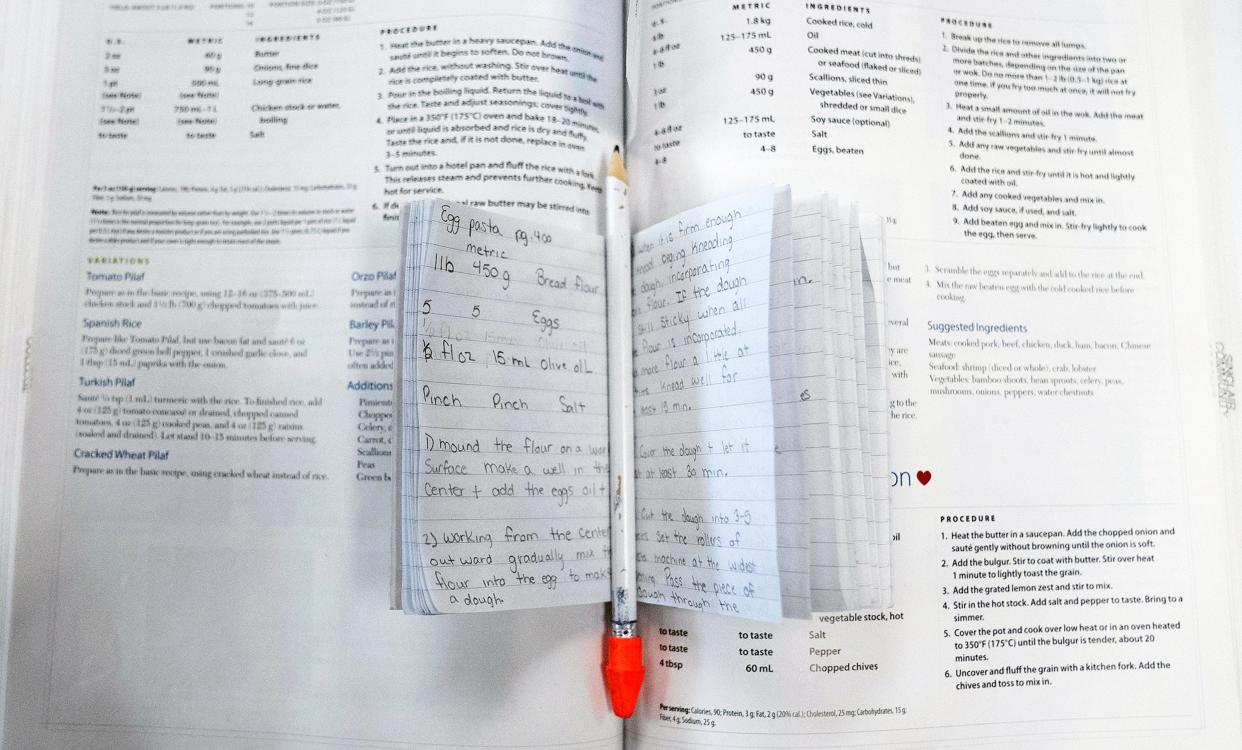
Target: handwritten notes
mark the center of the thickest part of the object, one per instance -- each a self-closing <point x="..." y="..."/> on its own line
<point x="760" y="411"/>
<point x="705" y="481"/>
<point x="504" y="489"/>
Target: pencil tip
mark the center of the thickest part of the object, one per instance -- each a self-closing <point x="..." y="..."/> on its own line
<point x="616" y="165"/>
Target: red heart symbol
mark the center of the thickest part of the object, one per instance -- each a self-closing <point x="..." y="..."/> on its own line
<point x="923" y="476"/>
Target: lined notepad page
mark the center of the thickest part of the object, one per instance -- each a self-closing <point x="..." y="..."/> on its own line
<point x="762" y="415"/>
<point x="874" y="268"/>
<point x="851" y="469"/>
<point x="832" y="554"/>
<point x="504" y="434"/>
<point x="792" y="512"/>
<point x="854" y="271"/>
<point x="705" y="488"/>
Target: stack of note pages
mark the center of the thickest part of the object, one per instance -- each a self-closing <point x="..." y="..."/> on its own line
<point x="761" y="420"/>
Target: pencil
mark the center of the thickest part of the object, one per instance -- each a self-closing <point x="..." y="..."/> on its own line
<point x="623" y="670"/>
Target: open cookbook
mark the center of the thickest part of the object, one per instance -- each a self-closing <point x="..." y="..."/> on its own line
<point x="963" y="475"/>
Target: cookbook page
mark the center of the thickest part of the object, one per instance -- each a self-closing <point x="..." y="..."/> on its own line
<point x="1059" y="528"/>
<point x="203" y="534"/>
<point x="27" y="43"/>
<point x="1214" y="47"/>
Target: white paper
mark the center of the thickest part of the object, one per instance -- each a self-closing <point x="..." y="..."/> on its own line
<point x="704" y="446"/>
<point x="832" y="567"/>
<point x="794" y="553"/>
<point x="504" y="366"/>
<point x="246" y="166"/>
<point x="874" y="300"/>
<point x="1053" y="140"/>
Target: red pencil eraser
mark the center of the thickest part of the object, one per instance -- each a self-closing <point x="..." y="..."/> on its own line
<point x="623" y="673"/>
